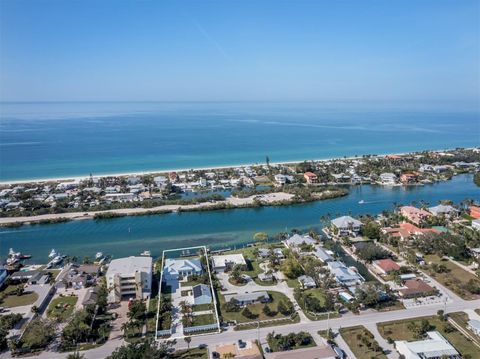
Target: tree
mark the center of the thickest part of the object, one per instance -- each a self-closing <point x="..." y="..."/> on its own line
<point x="188" y="340"/>
<point x="267" y="311"/>
<point x="247" y="313"/>
<point x="291" y="268"/>
<point x="371" y="230"/>
<point x="137" y="310"/>
<point x="19" y="290"/>
<point x="143" y="349"/>
<point x="236" y="274"/>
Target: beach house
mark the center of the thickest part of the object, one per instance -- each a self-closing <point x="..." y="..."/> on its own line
<point x="310" y="177"/>
<point x="346" y="226"/>
<point x="414" y="214"/>
<point x="222" y="263"/>
<point x="175" y="269"/>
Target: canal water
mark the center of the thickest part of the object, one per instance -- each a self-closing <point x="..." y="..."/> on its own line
<point x="219" y="229"/>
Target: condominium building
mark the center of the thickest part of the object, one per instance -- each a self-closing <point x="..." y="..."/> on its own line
<point x="129" y="277"/>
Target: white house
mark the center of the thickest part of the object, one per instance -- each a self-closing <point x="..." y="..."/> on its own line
<point x="388" y="179"/>
<point x="175" y="269"/>
<point x="435" y="346"/>
<point x="297" y="240"/>
<point x="249" y="298"/>
<point x="129" y="277"/>
<point x="443" y="210"/>
<point x="224" y="262"/>
<point x="347" y="225"/>
<point x="343" y="275"/>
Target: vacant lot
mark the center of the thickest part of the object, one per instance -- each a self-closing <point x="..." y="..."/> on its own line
<point x="256" y="309"/>
<point x="455" y="278"/>
<point x="61" y="308"/>
<point x="12" y="300"/>
<point x="402" y="330"/>
<point x="362" y="343"/>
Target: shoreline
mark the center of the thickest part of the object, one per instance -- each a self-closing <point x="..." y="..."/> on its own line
<point x="151" y="172"/>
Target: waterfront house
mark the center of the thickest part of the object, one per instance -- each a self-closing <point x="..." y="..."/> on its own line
<point x="346" y="226"/>
<point x="409" y="178"/>
<point x="201" y="294"/>
<point x="388" y="179"/>
<point x="175" y="269"/>
<point x="133" y="180"/>
<point x="249" y="298"/>
<point x="475" y="212"/>
<point x="307" y="281"/>
<point x="129" y="277"/>
<point x="414" y="214"/>
<point x="443" y="210"/>
<point x="406" y="230"/>
<point x="160" y="181"/>
<point x="295" y="241"/>
<point x="310" y="177"/>
<point x="225" y="262"/>
<point x="385" y="266"/>
<point x="435" y="346"/>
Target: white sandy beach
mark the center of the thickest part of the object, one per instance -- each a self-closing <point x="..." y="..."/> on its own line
<point x="160" y="171"/>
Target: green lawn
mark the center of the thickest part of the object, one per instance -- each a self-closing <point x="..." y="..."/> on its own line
<point x="12" y="300"/>
<point x="195" y="353"/>
<point x="152" y="318"/>
<point x="255" y="308"/>
<point x="62" y="307"/>
<point x="203" y="319"/>
<point x="202" y="307"/>
<point x="253" y="268"/>
<point x="456" y="279"/>
<point x="285" y="321"/>
<point x="360" y="341"/>
<point x="399" y="330"/>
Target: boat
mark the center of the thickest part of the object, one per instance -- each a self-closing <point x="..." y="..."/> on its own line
<point x="146" y="254"/>
<point x="53" y="253"/>
<point x="361" y="201"/>
<point x="15" y="257"/>
<point x="99" y="255"/>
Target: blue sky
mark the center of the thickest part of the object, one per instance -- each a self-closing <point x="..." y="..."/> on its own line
<point x="399" y="50"/>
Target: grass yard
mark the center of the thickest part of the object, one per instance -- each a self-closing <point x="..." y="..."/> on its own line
<point x="202" y="307"/>
<point x="285" y="321"/>
<point x="152" y="318"/>
<point x="362" y="343"/>
<point x="274" y="343"/>
<point x="12" y="300"/>
<point x="399" y="330"/>
<point x="203" y="319"/>
<point x="255" y="308"/>
<point x="61" y="308"/>
<point x="253" y="268"/>
<point x="455" y="279"/>
<point x="194" y="353"/>
<point x="293" y="283"/>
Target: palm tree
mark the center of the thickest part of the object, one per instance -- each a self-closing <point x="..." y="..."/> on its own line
<point x="188" y="340"/>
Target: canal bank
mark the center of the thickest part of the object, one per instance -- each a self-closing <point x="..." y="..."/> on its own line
<point x="229" y="228"/>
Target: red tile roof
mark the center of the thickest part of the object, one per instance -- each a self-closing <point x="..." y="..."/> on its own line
<point x="387" y="265"/>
